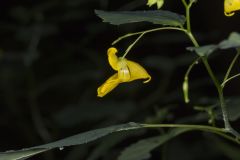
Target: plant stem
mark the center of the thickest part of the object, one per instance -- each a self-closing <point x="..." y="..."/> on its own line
<point x="184" y="3"/>
<point x="187" y="10"/>
<point x="188" y="18"/>
<point x="147" y="31"/>
<point x="219" y="131"/>
<point x="230" y="67"/>
<point x="219" y="89"/>
<point x="227" y="125"/>
<point x="141" y="35"/>
<point x="130" y="46"/>
<point x="229" y="79"/>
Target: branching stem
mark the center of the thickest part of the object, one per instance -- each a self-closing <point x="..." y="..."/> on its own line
<point x="216" y="82"/>
<point x="218" y="131"/>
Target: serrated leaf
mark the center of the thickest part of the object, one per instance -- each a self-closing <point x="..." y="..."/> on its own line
<point x="156" y="17"/>
<point x="204" y="50"/>
<point x="70" y="141"/>
<point x="233" y="41"/>
<point x="141" y="150"/>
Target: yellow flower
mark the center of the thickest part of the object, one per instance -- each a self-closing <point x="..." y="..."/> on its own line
<point x="158" y="2"/>
<point x="127" y="71"/>
<point x="230" y="6"/>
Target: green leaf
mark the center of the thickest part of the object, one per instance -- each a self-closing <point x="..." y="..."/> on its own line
<point x="21" y="154"/>
<point x="141" y="150"/>
<point x="204" y="50"/>
<point x="156" y="17"/>
<point x="233" y="41"/>
<point x="70" y="141"/>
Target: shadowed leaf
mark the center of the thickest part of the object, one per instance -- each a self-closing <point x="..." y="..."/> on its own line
<point x="156" y="17"/>
<point x="204" y="50"/>
<point x="141" y="150"/>
<point x="78" y="139"/>
<point x="232" y="42"/>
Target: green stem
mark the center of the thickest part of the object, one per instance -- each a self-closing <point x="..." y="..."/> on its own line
<point x="219" y="131"/>
<point x="130" y="46"/>
<point x="227" y="125"/>
<point x="188" y="18"/>
<point x="147" y="31"/>
<point x="230" y="67"/>
<point x="187" y="10"/>
<point x="184" y="3"/>
<point x="193" y="39"/>
<point x="219" y="89"/>
<point x="229" y="79"/>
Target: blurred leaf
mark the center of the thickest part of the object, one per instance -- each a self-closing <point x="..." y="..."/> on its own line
<point x="78" y="139"/>
<point x="204" y="50"/>
<point x="21" y="14"/>
<point x="160" y="62"/>
<point x="232" y="108"/>
<point x="228" y="150"/>
<point x="27" y="33"/>
<point x="160" y="115"/>
<point x="66" y="79"/>
<point x="233" y="41"/>
<point x="84" y="112"/>
<point x="156" y="17"/>
<point x="141" y="150"/>
<point x="232" y="104"/>
<point x="109" y="142"/>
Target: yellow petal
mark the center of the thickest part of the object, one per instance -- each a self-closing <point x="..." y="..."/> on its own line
<point x="160" y="3"/>
<point x="123" y="71"/>
<point x="137" y="72"/>
<point x="151" y="2"/>
<point x="108" y="86"/>
<point x="230" y="6"/>
<point x="112" y="58"/>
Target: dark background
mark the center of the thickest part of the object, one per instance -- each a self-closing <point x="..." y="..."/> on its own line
<point x="53" y="58"/>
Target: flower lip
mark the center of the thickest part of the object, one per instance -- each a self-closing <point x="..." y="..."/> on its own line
<point x="108" y="85"/>
<point x="230" y="6"/>
<point x="112" y="58"/>
<point x="127" y="71"/>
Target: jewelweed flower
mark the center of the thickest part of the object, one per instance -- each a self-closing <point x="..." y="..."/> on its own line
<point x="158" y="2"/>
<point x="127" y="71"/>
<point x="230" y="6"/>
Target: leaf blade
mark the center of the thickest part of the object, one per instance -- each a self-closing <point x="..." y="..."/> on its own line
<point x="78" y="139"/>
<point x="233" y="41"/>
<point x="156" y="17"/>
<point x="204" y="50"/>
<point x="141" y="149"/>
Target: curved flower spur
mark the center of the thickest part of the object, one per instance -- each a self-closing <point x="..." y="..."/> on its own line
<point x="127" y="71"/>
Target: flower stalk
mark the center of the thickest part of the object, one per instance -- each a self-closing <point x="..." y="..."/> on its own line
<point x="227" y="125"/>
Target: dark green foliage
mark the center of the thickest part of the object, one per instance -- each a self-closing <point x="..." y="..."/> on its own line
<point x="155" y="17"/>
<point x="53" y="58"/>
